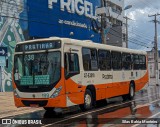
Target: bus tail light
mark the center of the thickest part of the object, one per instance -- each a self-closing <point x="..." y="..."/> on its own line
<point x="16" y="94"/>
<point x="56" y="92"/>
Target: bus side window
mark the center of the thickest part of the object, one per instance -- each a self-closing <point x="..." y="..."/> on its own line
<point x="71" y="64"/>
<point x="136" y="62"/>
<point x="90" y="59"/>
<point x="126" y="61"/>
<point x="142" y="62"/>
<point x="104" y="60"/>
<point x="116" y="60"/>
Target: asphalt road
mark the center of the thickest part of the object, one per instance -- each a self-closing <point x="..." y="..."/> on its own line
<point x="115" y="112"/>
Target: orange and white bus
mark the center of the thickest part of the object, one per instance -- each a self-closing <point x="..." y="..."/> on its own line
<point x="63" y="72"/>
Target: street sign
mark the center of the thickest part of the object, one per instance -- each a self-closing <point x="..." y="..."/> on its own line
<point x="3" y="51"/>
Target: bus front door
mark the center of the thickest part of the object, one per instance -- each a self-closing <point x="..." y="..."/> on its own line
<point x="73" y="82"/>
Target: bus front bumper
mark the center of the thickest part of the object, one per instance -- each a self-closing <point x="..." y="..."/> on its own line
<point x="59" y="101"/>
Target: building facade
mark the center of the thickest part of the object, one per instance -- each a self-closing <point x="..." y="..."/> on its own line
<point x="116" y="35"/>
<point x="151" y="64"/>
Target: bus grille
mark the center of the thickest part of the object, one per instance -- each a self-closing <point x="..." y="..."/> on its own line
<point x="39" y="103"/>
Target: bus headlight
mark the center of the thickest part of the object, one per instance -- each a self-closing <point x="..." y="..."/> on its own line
<point x="15" y="93"/>
<point x="56" y="92"/>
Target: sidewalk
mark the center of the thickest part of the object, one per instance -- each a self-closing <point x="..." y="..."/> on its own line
<point x="7" y="107"/>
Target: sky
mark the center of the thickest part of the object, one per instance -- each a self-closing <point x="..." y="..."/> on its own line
<point x="141" y="29"/>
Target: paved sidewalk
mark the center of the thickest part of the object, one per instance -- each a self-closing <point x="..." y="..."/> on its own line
<point x="7" y="107"/>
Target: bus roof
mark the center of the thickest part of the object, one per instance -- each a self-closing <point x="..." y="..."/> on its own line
<point x="87" y="43"/>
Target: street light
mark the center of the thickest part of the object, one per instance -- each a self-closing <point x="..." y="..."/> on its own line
<point x="126" y="8"/>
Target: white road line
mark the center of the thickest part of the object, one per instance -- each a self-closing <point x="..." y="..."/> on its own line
<point x="140" y="106"/>
<point x="94" y="111"/>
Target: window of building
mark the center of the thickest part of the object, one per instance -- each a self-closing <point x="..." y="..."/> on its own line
<point x="126" y="61"/>
<point x="124" y="37"/>
<point x="104" y="60"/>
<point x="116" y="61"/>
<point x="90" y="59"/>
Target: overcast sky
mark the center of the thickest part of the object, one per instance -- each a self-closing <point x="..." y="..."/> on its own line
<point x="141" y="30"/>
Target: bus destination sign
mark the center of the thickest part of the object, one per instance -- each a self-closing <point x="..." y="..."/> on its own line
<point x="38" y="46"/>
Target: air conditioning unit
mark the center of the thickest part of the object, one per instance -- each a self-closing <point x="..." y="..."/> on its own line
<point x="102" y="10"/>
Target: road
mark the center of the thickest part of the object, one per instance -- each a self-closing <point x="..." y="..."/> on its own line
<point x="115" y="113"/>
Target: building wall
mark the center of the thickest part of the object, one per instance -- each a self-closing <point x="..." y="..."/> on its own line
<point x="116" y="14"/>
<point x="151" y="64"/>
<point x="61" y="18"/>
<point x="115" y="36"/>
<point x="13" y="28"/>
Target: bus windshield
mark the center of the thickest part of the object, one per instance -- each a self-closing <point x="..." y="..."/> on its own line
<point x="37" y="69"/>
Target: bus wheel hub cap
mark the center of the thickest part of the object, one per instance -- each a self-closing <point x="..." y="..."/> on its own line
<point x="131" y="91"/>
<point x="87" y="100"/>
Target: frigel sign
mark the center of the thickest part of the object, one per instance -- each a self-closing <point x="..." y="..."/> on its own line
<point x="81" y="7"/>
<point x="60" y="18"/>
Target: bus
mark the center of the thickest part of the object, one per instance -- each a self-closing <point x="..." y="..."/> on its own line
<point x="62" y="72"/>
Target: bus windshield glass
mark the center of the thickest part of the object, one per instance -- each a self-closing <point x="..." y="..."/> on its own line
<point x="37" y="69"/>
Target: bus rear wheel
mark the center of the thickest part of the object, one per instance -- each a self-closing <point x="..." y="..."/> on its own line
<point x="131" y="94"/>
<point x="131" y="91"/>
<point x="88" y="101"/>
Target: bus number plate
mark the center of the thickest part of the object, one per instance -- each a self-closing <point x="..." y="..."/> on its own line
<point x="34" y="105"/>
<point x="45" y="95"/>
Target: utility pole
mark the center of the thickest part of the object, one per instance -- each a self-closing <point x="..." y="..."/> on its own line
<point x="103" y="15"/>
<point x="126" y="18"/>
<point x="156" y="47"/>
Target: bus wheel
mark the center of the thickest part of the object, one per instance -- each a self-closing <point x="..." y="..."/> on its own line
<point x="88" y="101"/>
<point x="51" y="109"/>
<point x="131" y="91"/>
<point x="129" y="96"/>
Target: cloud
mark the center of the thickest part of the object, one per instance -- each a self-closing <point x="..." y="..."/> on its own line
<point x="141" y="25"/>
<point x="142" y="4"/>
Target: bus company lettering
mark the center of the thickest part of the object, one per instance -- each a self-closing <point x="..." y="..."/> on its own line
<point x="89" y="75"/>
<point x="107" y="76"/>
<point x="40" y="46"/>
<point x="81" y="7"/>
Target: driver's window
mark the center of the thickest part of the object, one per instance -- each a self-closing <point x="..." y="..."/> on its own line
<point x="71" y="64"/>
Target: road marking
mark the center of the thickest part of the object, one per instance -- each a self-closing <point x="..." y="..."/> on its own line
<point x="140" y="106"/>
<point x="94" y="111"/>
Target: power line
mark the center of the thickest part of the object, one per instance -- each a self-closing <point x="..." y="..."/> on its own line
<point x="140" y="32"/>
<point x="132" y="41"/>
<point x="141" y="36"/>
<point x="136" y="40"/>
